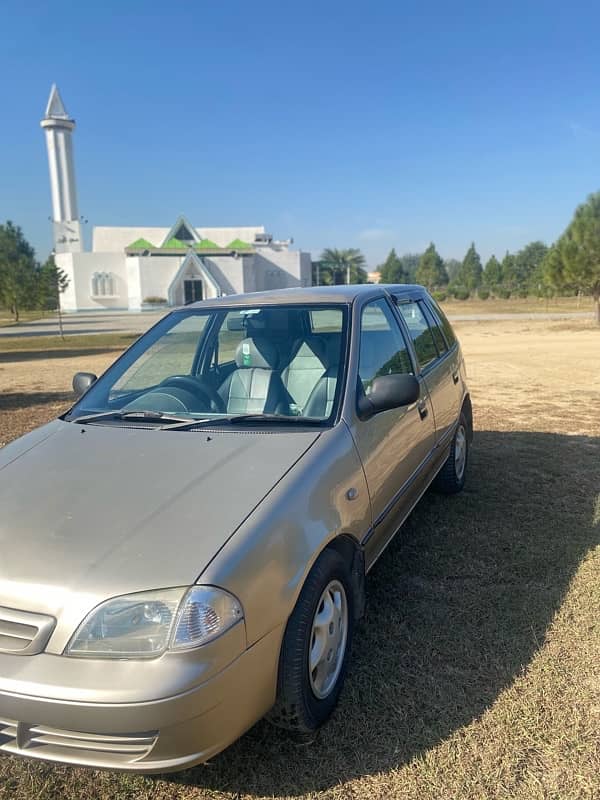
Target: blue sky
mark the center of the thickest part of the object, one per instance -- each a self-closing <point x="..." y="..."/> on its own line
<point x="339" y="123"/>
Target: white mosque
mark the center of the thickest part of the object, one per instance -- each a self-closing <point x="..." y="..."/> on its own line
<point x="131" y="268"/>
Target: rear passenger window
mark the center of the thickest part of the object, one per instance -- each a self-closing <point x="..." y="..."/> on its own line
<point x="326" y="320"/>
<point x="447" y="328"/>
<point x="436" y="329"/>
<point x="420" y="332"/>
<point x="383" y="350"/>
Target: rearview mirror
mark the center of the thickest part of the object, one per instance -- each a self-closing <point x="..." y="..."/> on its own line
<point x="387" y="392"/>
<point x="82" y="382"/>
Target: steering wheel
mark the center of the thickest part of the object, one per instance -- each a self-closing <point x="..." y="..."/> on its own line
<point x="200" y="389"/>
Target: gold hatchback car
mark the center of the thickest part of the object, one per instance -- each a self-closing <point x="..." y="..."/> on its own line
<point x="185" y="550"/>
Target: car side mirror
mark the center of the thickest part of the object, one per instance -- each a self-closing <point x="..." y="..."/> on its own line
<point x="82" y="382"/>
<point x="387" y="392"/>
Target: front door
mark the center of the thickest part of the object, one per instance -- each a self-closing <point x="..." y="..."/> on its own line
<point x="394" y="445"/>
<point x="192" y="291"/>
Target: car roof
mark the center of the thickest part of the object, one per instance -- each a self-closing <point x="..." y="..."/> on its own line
<point x="310" y="294"/>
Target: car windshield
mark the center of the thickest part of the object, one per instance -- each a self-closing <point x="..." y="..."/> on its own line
<point x="275" y="362"/>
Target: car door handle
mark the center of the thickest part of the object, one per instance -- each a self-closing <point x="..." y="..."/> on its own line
<point x="455" y="377"/>
<point x="423" y="411"/>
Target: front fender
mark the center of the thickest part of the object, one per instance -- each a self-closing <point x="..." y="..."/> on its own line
<point x="267" y="560"/>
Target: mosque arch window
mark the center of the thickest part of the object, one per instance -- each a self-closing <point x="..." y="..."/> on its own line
<point x="103" y="284"/>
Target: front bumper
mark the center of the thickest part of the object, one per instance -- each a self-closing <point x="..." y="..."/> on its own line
<point x="159" y="735"/>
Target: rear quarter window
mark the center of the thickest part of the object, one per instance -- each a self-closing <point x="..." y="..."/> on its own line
<point x="436" y="327"/>
<point x="446" y="327"/>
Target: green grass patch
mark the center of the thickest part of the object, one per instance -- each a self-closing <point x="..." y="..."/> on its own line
<point x="41" y="344"/>
<point x="7" y="319"/>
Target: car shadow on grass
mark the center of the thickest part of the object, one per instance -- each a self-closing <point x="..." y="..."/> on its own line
<point x="13" y="401"/>
<point x="457" y="607"/>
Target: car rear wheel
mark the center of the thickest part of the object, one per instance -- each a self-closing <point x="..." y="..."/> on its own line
<point x="316" y="647"/>
<point x="451" y="477"/>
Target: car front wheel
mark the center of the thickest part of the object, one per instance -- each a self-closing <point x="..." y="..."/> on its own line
<point x="316" y="647"/>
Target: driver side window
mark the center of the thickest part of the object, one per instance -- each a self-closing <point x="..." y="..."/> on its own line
<point x="171" y="354"/>
<point x="383" y="350"/>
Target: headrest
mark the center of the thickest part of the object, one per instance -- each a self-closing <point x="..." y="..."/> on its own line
<point x="311" y="347"/>
<point x="257" y="352"/>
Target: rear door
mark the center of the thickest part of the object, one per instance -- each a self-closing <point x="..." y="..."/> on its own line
<point x="437" y="362"/>
<point x="395" y="445"/>
<point x="451" y="354"/>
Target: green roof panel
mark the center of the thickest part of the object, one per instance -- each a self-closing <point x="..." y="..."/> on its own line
<point x="206" y="244"/>
<point x="141" y="244"/>
<point x="237" y="244"/>
<point x="176" y="243"/>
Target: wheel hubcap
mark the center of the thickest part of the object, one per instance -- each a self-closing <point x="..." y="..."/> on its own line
<point x="328" y="640"/>
<point x="460" y="452"/>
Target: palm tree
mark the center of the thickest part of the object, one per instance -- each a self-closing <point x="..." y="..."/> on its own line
<point x="342" y="266"/>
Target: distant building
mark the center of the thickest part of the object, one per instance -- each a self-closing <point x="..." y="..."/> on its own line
<point x="137" y="267"/>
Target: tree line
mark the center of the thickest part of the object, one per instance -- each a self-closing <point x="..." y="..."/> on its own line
<point x="25" y="282"/>
<point x="571" y="265"/>
<point x="518" y="274"/>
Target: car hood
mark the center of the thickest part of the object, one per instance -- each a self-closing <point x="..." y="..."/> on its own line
<point x="95" y="511"/>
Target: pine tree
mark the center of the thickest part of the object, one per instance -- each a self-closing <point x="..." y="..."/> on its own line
<point x="452" y="266"/>
<point x="51" y="283"/>
<point x="492" y="274"/>
<point x="574" y="261"/>
<point x="431" y="271"/>
<point x="528" y="267"/>
<point x="18" y="269"/>
<point x="509" y="272"/>
<point x="471" y="271"/>
<point x="392" y="269"/>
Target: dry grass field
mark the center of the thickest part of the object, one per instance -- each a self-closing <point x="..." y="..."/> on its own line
<point x="476" y="671"/>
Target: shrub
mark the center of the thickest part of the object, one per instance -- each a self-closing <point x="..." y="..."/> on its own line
<point x="523" y="293"/>
<point x="460" y="293"/>
<point x="456" y="291"/>
<point x="155" y="301"/>
<point x="502" y="293"/>
<point x="483" y="293"/>
<point x="439" y="296"/>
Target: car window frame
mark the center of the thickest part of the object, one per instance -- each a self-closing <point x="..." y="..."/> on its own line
<point x="442" y="320"/>
<point x="433" y="322"/>
<point x="395" y="316"/>
<point x="204" y="350"/>
<point x="404" y="300"/>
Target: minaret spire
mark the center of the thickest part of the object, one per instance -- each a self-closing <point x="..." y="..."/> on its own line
<point x="59" y="127"/>
<point x="55" y="108"/>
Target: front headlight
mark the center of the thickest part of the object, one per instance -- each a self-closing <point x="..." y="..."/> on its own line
<point x="145" y="624"/>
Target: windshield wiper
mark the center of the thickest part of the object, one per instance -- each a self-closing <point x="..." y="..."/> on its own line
<point x="298" y="420"/>
<point x="238" y="418"/>
<point x="148" y="416"/>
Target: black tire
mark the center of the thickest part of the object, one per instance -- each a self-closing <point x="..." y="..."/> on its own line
<point x="297" y="707"/>
<point x="448" y="481"/>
